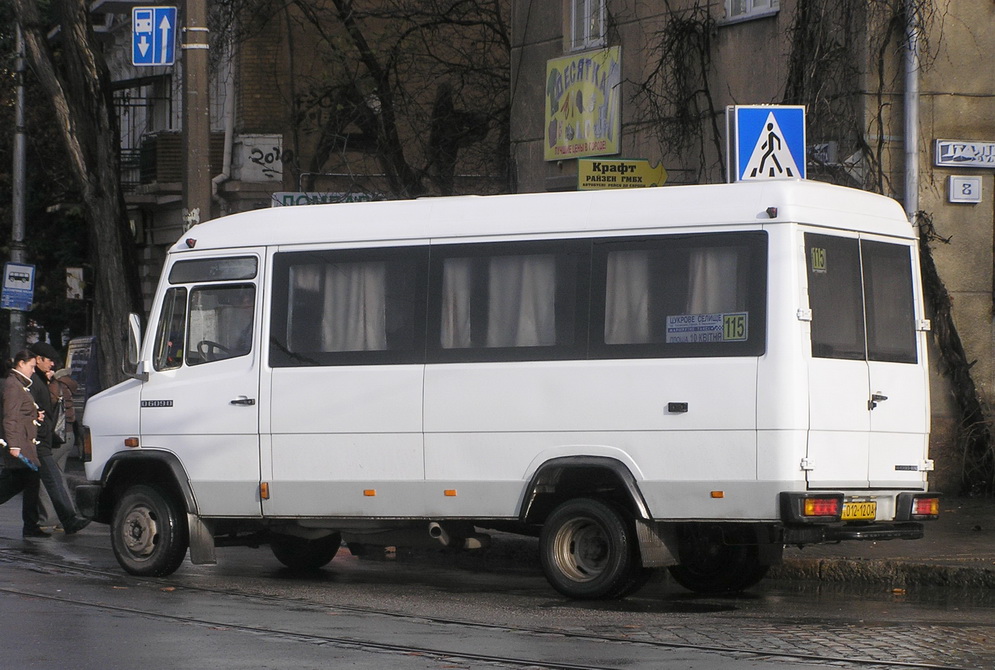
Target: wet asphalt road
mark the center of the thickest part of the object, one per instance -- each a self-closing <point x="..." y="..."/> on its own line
<point x="66" y="603"/>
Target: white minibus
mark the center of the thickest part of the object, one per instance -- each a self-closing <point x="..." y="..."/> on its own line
<point x="687" y="377"/>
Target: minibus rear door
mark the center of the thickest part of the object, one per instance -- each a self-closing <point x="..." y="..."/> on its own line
<point x="868" y="408"/>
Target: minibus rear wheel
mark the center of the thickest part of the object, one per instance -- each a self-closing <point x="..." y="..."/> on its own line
<point x="299" y="554"/>
<point x="714" y="559"/>
<point x="589" y="550"/>
<point x="149" y="532"/>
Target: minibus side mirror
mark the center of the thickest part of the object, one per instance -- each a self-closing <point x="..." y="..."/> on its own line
<point x="131" y="365"/>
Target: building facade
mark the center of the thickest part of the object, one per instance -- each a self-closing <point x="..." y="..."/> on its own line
<point x="307" y="105"/>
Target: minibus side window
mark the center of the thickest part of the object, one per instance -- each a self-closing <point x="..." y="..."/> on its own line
<point x="516" y="305"/>
<point x="508" y="301"/>
<point x="348" y="307"/>
<point x="835" y="296"/>
<point x="891" y="334"/>
<point x="220" y="322"/>
<point x="168" y="352"/>
<point x="691" y="295"/>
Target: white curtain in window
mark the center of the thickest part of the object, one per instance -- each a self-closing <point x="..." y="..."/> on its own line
<point x="521" y="301"/>
<point x="354" y="314"/>
<point x="303" y="279"/>
<point x="457" y="275"/>
<point x="627" y="299"/>
<point x="713" y="285"/>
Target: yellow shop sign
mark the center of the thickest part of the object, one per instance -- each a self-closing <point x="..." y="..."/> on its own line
<point x="633" y="173"/>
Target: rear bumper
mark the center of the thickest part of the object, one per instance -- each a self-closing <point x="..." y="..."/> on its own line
<point x="819" y="534"/>
<point x="816" y="517"/>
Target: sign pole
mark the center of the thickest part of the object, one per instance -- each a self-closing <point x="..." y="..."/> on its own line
<point x="196" y="115"/>
<point x="17" y="320"/>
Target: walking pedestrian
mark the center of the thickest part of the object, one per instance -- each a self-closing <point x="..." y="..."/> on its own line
<point x="21" y="419"/>
<point x="61" y="388"/>
<point x="51" y="474"/>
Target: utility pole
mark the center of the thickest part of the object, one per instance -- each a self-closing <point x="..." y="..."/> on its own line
<point x="17" y="335"/>
<point x="196" y="115"/>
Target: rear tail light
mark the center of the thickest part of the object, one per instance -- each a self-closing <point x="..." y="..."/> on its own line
<point x="822" y="507"/>
<point x="799" y="507"/>
<point x="925" y="508"/>
<point x="918" y="506"/>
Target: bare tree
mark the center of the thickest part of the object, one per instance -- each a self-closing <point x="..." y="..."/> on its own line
<point x="76" y="80"/>
<point x="415" y="90"/>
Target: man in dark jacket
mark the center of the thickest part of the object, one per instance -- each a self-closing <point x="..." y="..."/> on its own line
<point x="51" y="476"/>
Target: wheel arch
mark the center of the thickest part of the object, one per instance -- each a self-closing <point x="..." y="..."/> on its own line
<point x="161" y="469"/>
<point x="565" y="477"/>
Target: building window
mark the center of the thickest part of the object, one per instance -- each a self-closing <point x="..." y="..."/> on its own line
<point x="587" y="24"/>
<point x="744" y="10"/>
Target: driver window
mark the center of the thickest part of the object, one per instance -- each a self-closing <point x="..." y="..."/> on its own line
<point x="169" y="333"/>
<point x="220" y="324"/>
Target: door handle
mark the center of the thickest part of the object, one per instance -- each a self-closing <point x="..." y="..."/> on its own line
<point x="242" y="400"/>
<point x="875" y="399"/>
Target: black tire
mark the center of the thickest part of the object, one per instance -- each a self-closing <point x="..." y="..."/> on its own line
<point x="638" y="579"/>
<point x="589" y="551"/>
<point x="717" y="560"/>
<point x="299" y="554"/>
<point x="149" y="532"/>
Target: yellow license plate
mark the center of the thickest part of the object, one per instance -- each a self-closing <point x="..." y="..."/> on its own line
<point x="859" y="511"/>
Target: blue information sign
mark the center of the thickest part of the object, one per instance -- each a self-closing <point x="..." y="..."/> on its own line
<point x="153" y="35"/>
<point x="18" y="286"/>
<point x="769" y="142"/>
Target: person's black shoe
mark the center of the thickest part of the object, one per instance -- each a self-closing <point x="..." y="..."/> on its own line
<point x="35" y="532"/>
<point x="76" y="525"/>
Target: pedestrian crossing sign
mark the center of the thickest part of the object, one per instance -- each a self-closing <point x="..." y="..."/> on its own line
<point x="768" y="142"/>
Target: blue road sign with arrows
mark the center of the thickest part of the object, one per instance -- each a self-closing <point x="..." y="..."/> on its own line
<point x="153" y="35"/>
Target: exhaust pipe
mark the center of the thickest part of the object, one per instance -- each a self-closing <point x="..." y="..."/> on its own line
<point x="439" y="533"/>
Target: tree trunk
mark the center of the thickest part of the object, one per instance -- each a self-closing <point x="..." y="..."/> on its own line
<point x="78" y="85"/>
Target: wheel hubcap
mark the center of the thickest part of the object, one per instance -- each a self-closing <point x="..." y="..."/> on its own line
<point x="582" y="550"/>
<point x="141" y="531"/>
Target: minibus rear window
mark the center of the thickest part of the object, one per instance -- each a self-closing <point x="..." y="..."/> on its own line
<point x="860" y="292"/>
<point x="213" y="269"/>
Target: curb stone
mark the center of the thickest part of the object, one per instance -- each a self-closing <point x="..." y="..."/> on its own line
<point x="893" y="573"/>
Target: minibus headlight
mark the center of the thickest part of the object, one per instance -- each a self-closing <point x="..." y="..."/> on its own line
<point x="86" y="453"/>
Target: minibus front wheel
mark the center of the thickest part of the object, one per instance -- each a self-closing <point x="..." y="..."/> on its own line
<point x="149" y="532"/>
<point x="589" y="550"/>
